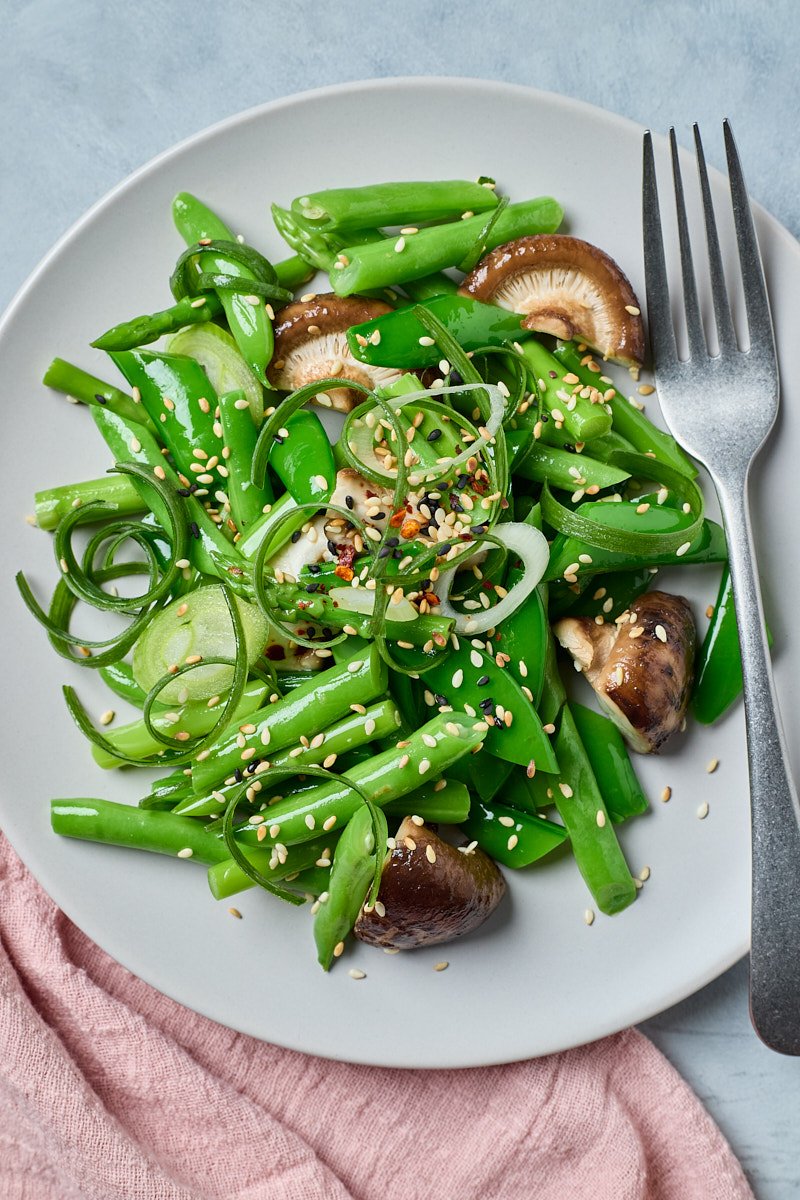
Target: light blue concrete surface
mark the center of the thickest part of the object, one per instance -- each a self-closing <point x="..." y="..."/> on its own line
<point x="88" y="91"/>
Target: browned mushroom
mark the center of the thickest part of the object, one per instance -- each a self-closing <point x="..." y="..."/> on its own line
<point x="566" y="287"/>
<point x="641" y="667"/>
<point x="430" y="892"/>
<point x="311" y="343"/>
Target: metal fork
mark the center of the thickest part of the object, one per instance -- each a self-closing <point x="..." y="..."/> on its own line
<point x="721" y="409"/>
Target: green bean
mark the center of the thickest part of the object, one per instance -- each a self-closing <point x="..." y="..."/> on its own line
<point x="51" y="504"/>
<point x="327" y="697"/>
<point x="292" y="272"/>
<point x="139" y="828"/>
<point x="446" y="801"/>
<point x="247" y="315"/>
<point x="295" y="603"/>
<point x="196" y="719"/>
<point x="239" y="434"/>
<point x="560" y="391"/>
<point x="628" y="420"/>
<point x="358" y="851"/>
<point x="718" y="672"/>
<point x="401" y="260"/>
<point x="226" y="878"/>
<point x="428" y="752"/>
<point x="513" y="838"/>
<point x="482" y="773"/>
<point x="275" y="524"/>
<point x="356" y="729"/>
<point x="392" y="204"/>
<point x="64" y="377"/>
<point x="621" y="791"/>
<point x="582" y="809"/>
<point x="141" y="331"/>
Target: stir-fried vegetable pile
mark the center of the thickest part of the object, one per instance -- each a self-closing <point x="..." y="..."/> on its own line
<point x="343" y="640"/>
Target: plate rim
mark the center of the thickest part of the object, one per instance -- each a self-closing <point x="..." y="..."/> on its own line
<point x="444" y="83"/>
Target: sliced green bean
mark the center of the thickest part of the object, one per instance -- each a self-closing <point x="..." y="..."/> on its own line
<point x="51" y="504"/>
<point x="392" y="204"/>
<point x="65" y="377"/>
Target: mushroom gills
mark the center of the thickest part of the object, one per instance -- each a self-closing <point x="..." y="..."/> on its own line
<point x="641" y="669"/>
<point x="430" y="892"/>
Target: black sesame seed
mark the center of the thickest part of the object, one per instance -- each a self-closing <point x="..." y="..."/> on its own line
<point x="349" y="501"/>
<point x="482" y="682"/>
<point x="183" y="492"/>
<point x="296" y="536"/>
<point x="440" y="699"/>
<point x="434" y="435"/>
<point x="393" y="541"/>
<point x="278" y="438"/>
<point x="440" y="550"/>
<point x="237" y="775"/>
<point x="462" y="482"/>
<point x="327" y="633"/>
<point x="314" y="568"/>
<point x="455" y="377"/>
<point x="100" y="398"/>
<point x="331" y="546"/>
<point x="397" y="554"/>
<point x="194" y="529"/>
<point x="251" y="766"/>
<point x="193" y="487"/>
<point x="553" y="374"/>
<point x="486" y="704"/>
<point x="312" y="587"/>
<point x="378" y="516"/>
<point x="479" y="529"/>
<point x="384" y="552"/>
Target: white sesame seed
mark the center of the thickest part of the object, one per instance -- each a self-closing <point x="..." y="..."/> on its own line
<point x="354" y="973"/>
<point x="712" y="766"/>
<point x="430" y="854"/>
<point x="666" y="795"/>
<point x="679" y="553"/>
<point x="107" y="717"/>
<point x="400" y="245"/>
<point x="355" y="665"/>
<point x="187" y="852"/>
<point x="425" y="340"/>
<point x="441" y="966"/>
<point x="588" y="916"/>
<point x="429" y="740"/>
<point x="234" y="912"/>
<point x="424" y="766"/>
<point x="565" y="790"/>
<point x="660" y="633"/>
<point x="600" y="817"/>
<point x="644" y="874"/>
<point x="512" y="841"/>
<point x="702" y="811"/>
<point x="507" y="821"/>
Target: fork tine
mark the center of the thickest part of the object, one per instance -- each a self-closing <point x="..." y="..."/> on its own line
<point x="759" y="321"/>
<point x="694" y="323"/>
<point x="659" y="318"/>
<point x="722" y="311"/>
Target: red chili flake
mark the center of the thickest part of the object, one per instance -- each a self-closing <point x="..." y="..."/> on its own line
<point x="396" y="519"/>
<point x="345" y="553"/>
<point x="409" y="529"/>
<point x="343" y="572"/>
<point x="431" y="598"/>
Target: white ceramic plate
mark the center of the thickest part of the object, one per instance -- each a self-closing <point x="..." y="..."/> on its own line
<point x="535" y="978"/>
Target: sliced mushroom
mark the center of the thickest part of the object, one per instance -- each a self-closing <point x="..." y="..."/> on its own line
<point x="311" y="344"/>
<point x="430" y="892"/>
<point x="641" y="667"/>
<point x="565" y="287"/>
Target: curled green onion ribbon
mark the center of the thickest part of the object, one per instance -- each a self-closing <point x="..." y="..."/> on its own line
<point x="277" y="774"/>
<point x="188" y="280"/>
<point x="586" y="529"/>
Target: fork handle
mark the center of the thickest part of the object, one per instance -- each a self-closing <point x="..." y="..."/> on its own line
<point x="775" y="813"/>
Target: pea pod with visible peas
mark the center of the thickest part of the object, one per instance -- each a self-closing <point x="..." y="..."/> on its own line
<point x="359" y="850"/>
<point x="239" y="434"/>
<point x="718" y="674"/>
<point x="513" y="838"/>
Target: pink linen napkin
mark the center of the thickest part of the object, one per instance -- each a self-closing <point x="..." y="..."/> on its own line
<point x="111" y="1091"/>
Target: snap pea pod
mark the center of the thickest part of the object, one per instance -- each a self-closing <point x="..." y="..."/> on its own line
<point x="65" y="377"/>
<point x="470" y="679"/>
<point x="359" y="849"/>
<point x="708" y="546"/>
<point x="718" y="673"/>
<point x="51" y="504"/>
<point x="226" y="878"/>
<point x="276" y="524"/>
<point x="481" y="773"/>
<point x="140" y="828"/>
<point x="177" y="394"/>
<point x="474" y="325"/>
<point x="393" y="203"/>
<point x="247" y="315"/>
<point x="511" y="837"/>
<point x="518" y="792"/>
<point x="523" y="636"/>
<point x="605" y="595"/>
<point x="569" y="472"/>
<point x="135" y="740"/>
<point x="209" y="551"/>
<point x="141" y="331"/>
<point x="611" y="764"/>
<point x="604" y="448"/>
<point x="303" y="459"/>
<point x="239" y="434"/>
<point x="554" y="696"/>
<point x="382" y="264"/>
<point x="327" y="696"/>
<point x="561" y="394"/>
<point x="356" y="729"/>
<point x="297" y="603"/>
<point x="581" y="807"/>
<point x="631" y="422"/>
<point x="428" y="752"/>
<point x="119" y="677"/>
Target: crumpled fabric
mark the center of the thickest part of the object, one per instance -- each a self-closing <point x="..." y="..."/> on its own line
<point x="111" y="1091"/>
